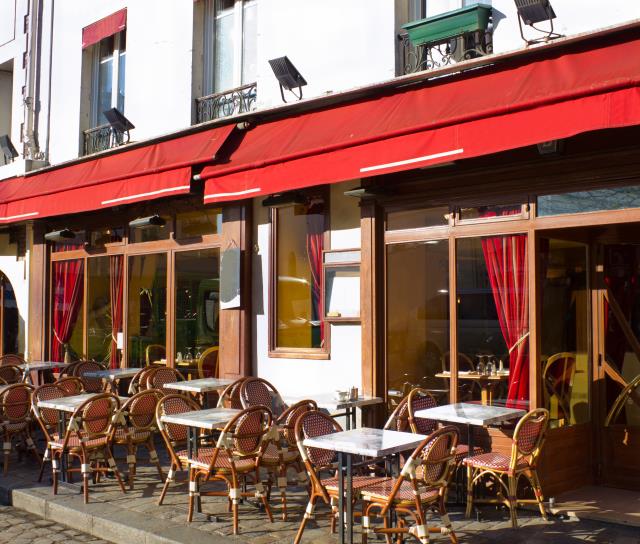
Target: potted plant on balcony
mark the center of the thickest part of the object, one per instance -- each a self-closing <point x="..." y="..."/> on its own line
<point x="473" y="18"/>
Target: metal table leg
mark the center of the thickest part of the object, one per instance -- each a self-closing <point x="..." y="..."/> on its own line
<point x="349" y="500"/>
<point x="340" y="498"/>
<point x="353" y="417"/>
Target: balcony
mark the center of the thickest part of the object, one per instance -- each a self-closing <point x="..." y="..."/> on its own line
<point x="225" y="104"/>
<point x="102" y="138"/>
<point x="447" y="38"/>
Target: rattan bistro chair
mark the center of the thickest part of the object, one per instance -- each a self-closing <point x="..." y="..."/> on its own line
<point x="527" y="442"/>
<point x="230" y="396"/>
<point x="259" y="392"/>
<point x="47" y="418"/>
<point x="11" y="373"/>
<point x="161" y="376"/>
<point x="139" y="380"/>
<point x="15" y="420"/>
<point x="421" y="486"/>
<point x="91" y="385"/>
<point x="71" y="385"/>
<point x="11" y="359"/>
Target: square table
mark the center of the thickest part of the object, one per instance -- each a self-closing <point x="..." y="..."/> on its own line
<point x="201" y="386"/>
<point x="39" y="366"/>
<point x="364" y="441"/>
<point x="338" y="407"/>
<point x="113" y="375"/>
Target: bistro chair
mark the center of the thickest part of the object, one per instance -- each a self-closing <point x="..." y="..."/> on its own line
<point x="527" y="442"/>
<point x="235" y="458"/>
<point x="259" y="392"/>
<point x="154" y="353"/>
<point x="175" y="436"/>
<point x="230" y="396"/>
<point x="557" y="377"/>
<point x="91" y="385"/>
<point x="15" y="420"/>
<point x="71" y="385"/>
<point x="161" y="376"/>
<point x="421" y="486"/>
<point x="137" y="428"/>
<point x="282" y="454"/>
<point x="69" y="369"/>
<point x="11" y="373"/>
<point x="12" y="359"/>
<point x="622" y="400"/>
<point x="46" y="417"/>
<point x="88" y="438"/>
<point x="321" y="467"/>
<point x="208" y="363"/>
<point x="139" y="380"/>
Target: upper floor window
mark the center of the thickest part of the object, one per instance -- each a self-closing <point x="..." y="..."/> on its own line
<point x="107" y="89"/>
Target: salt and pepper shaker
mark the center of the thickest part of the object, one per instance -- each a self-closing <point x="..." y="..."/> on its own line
<point x="353" y="393"/>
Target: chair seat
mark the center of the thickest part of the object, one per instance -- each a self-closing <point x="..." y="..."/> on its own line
<point x="74" y="442"/>
<point x="123" y="434"/>
<point x="205" y="455"/>
<point x="493" y="461"/>
<point x="13" y="427"/>
<point x="358" y="482"/>
<point x="462" y="451"/>
<point x="382" y="491"/>
<point x="271" y="455"/>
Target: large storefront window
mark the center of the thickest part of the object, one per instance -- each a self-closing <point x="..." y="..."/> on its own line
<point x="299" y="235"/>
<point x="67" y="316"/>
<point x="418" y="318"/>
<point x="147" y="309"/>
<point x="197" y="295"/>
<point x="493" y="320"/>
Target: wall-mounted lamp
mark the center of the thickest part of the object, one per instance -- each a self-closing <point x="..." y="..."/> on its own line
<point x="288" y="76"/>
<point x="8" y="149"/>
<point x="63" y="235"/>
<point x="551" y="147"/>
<point x="119" y="124"/>
<point x="147" y="222"/>
<point x="284" y="199"/>
<point x="365" y="193"/>
<point x="531" y="12"/>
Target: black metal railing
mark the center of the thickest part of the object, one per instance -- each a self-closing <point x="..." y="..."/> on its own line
<point x="231" y="102"/>
<point x="432" y="55"/>
<point x="101" y="138"/>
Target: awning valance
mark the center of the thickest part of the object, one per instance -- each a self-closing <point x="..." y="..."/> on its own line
<point x="105" y="27"/>
<point x="561" y="93"/>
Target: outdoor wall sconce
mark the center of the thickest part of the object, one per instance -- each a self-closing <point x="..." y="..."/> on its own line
<point x="282" y="200"/>
<point x="365" y="193"/>
<point x="60" y="235"/>
<point x="119" y="124"/>
<point x="531" y="12"/>
<point x="551" y="147"/>
<point x="288" y="76"/>
<point x="8" y="148"/>
<point x="147" y="222"/>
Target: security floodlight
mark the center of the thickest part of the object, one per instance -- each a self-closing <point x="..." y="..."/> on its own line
<point x="283" y="200"/>
<point x="288" y="76"/>
<point x="8" y="148"/>
<point x="531" y="12"/>
<point x="119" y="124"/>
<point x="147" y="222"/>
<point x="60" y="235"/>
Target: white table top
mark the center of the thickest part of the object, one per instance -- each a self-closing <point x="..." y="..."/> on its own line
<point x="201" y="385"/>
<point x="42" y="365"/>
<point x="69" y="404"/>
<point x="112" y="373"/>
<point x="365" y="441"/>
<point x="210" y="419"/>
<point x="329" y="402"/>
<point x="471" y="414"/>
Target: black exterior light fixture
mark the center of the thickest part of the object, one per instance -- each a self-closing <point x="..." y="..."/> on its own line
<point x="288" y="76"/>
<point x="147" y="222"/>
<point x="119" y="124"/>
<point x="60" y="235"/>
<point x="365" y="193"/>
<point x="532" y="12"/>
<point x="8" y="148"/>
<point x="282" y="200"/>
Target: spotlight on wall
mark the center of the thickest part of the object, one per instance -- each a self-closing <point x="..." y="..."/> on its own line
<point x="282" y="200"/>
<point x="288" y="76"/>
<point x="551" y="147"/>
<point x="364" y="193"/>
<point x="63" y="235"/>
<point x="8" y="148"/>
<point x="147" y="222"/>
<point x="119" y="124"/>
<point x="531" y="12"/>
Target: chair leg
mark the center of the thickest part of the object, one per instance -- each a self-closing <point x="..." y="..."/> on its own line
<point x="192" y="496"/>
<point x="85" y="470"/>
<point x="306" y="517"/>
<point x="131" y="461"/>
<point x="7" y="451"/>
<point x="469" y="491"/>
<point x="114" y="468"/>
<point x="537" y="489"/>
<point x="167" y="482"/>
<point x="45" y="458"/>
<point x="282" y="485"/>
<point x="446" y="521"/>
<point x="153" y="457"/>
<point x="513" y="501"/>
<point x="54" y="470"/>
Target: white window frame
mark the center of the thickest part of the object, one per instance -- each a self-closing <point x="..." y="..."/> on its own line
<point x="95" y="77"/>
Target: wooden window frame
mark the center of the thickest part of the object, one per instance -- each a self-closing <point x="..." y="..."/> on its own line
<point x="274" y="351"/>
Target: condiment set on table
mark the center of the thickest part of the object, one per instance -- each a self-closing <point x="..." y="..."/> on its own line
<point x="488" y="365"/>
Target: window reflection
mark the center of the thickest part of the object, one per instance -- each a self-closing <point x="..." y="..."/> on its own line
<point x="67" y="317"/>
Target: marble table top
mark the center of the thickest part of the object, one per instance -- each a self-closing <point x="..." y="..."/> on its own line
<point x="201" y="385"/>
<point x="42" y="365"/>
<point x="69" y="404"/>
<point x="366" y="441"/>
<point x="471" y="414"/>
<point x="112" y="374"/>
<point x="329" y="402"/>
<point x="210" y="419"/>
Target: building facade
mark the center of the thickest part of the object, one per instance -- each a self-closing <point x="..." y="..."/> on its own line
<point x="442" y="196"/>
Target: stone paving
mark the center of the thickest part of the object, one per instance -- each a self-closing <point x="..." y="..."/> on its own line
<point x="139" y="518"/>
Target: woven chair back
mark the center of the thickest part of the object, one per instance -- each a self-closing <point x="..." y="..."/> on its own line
<point x="230" y="396"/>
<point x="259" y="392"/>
<point x="11" y="373"/>
<point x="437" y="456"/>
<point x="11" y="359"/>
<point x="96" y="415"/>
<point x="290" y="416"/>
<point x="248" y="430"/>
<point x="399" y="418"/>
<point x="313" y="424"/>
<point x="141" y="409"/>
<point x="421" y="399"/>
<point x="91" y="385"/>
<point x="162" y="376"/>
<point x="15" y="402"/>
<point x="71" y="385"/>
<point x="529" y="434"/>
<point x="46" y="417"/>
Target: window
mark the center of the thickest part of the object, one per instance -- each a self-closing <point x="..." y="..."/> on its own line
<point x="6" y="102"/>
<point x="107" y="87"/>
<point x="12" y="337"/>
<point x="298" y="243"/>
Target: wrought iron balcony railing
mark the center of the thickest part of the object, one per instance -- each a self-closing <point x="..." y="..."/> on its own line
<point x="231" y="102"/>
<point x="101" y="138"/>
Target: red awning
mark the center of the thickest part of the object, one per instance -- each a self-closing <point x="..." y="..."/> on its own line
<point x="108" y="26"/>
<point x="144" y="173"/>
<point x="496" y="108"/>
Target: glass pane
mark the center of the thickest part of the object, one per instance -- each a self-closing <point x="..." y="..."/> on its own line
<point x="66" y="312"/>
<point x="121" y="72"/>
<point x="100" y="237"/>
<point x="418" y="318"/>
<point x="249" y="41"/>
<point x="152" y="232"/>
<point x="147" y="309"/>
<point x="415" y="219"/>
<point x="10" y="319"/>
<point x="617" y="198"/>
<point x="343" y="291"/>
<point x="488" y="212"/>
<point x="197" y="290"/>
<point x="493" y="320"/>
<point x="105" y="79"/>
<point x="299" y="243"/>
<point x="565" y="331"/>
<point x="199" y="223"/>
<point x="224" y="46"/>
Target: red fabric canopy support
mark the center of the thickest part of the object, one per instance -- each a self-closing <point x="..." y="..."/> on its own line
<point x="108" y="26"/>
<point x="488" y="110"/>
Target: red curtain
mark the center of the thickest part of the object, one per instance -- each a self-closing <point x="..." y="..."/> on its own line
<point x="314" y="242"/>
<point x="68" y="281"/>
<point x="116" y="284"/>
<point x="506" y="261"/>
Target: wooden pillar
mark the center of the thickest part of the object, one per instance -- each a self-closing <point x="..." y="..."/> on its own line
<point x="37" y="340"/>
<point x="535" y="372"/>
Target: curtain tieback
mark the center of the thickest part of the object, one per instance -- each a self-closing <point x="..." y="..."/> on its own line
<point x="519" y="341"/>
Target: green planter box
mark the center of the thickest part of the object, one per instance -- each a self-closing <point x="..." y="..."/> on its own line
<point x="449" y="25"/>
